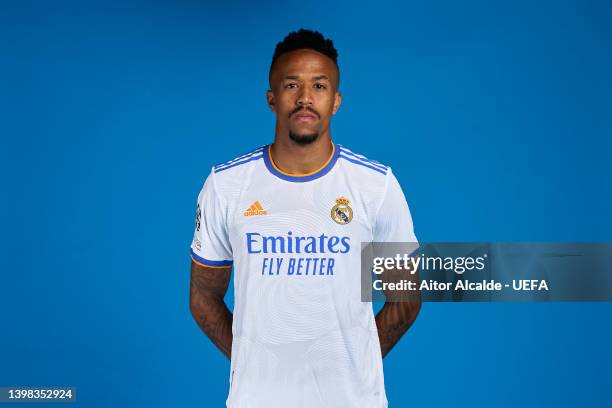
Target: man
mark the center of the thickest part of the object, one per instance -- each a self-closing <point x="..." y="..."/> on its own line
<point x="290" y="217"/>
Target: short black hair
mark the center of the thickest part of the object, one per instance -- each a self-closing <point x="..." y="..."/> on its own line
<point x="310" y="39"/>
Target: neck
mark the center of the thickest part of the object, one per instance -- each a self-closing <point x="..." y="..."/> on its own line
<point x="293" y="158"/>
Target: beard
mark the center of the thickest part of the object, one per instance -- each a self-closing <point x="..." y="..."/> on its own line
<point x="303" y="139"/>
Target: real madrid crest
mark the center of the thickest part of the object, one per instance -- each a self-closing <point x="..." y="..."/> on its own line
<point x="341" y="212"/>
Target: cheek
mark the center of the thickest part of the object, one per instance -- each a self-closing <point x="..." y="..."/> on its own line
<point x="285" y="103"/>
<point x="327" y="104"/>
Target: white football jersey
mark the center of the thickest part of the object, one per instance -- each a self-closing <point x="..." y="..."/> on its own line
<point x="302" y="337"/>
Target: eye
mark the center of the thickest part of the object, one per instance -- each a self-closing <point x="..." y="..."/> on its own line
<point x="320" y="86"/>
<point x="291" y="85"/>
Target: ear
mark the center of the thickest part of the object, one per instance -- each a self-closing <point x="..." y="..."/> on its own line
<point x="271" y="101"/>
<point x="337" y="102"/>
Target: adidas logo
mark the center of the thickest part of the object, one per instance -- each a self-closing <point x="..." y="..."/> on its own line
<point x="255" y="209"/>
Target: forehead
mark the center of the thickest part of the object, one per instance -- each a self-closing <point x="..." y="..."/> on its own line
<point x="304" y="63"/>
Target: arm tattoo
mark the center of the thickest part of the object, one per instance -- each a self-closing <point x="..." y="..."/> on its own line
<point x="396" y="317"/>
<point x="208" y="288"/>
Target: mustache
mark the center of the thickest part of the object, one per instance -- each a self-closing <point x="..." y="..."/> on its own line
<point x="300" y="109"/>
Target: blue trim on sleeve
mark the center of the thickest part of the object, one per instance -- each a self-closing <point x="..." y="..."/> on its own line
<point x="416" y="250"/>
<point x="298" y="178"/>
<point x="364" y="164"/>
<point x="208" y="262"/>
<point x="256" y="157"/>
<point x="363" y="158"/>
<point x="244" y="156"/>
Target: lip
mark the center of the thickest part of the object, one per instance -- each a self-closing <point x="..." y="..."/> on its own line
<point x="304" y="117"/>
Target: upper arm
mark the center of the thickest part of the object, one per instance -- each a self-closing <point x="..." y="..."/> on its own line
<point x="394" y="224"/>
<point x="393" y="220"/>
<point x="211" y="245"/>
<point x="208" y="281"/>
<point x="211" y="253"/>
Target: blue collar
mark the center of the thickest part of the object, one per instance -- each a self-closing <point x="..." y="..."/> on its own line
<point x="300" y="178"/>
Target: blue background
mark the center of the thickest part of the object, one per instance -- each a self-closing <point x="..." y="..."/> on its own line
<point x="496" y="119"/>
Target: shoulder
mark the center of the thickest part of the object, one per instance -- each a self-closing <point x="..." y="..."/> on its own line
<point x="228" y="177"/>
<point x="369" y="180"/>
<point x="238" y="163"/>
<point x="235" y="170"/>
<point x="365" y="166"/>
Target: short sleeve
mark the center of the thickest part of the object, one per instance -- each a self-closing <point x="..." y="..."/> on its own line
<point x="393" y="220"/>
<point x="210" y="246"/>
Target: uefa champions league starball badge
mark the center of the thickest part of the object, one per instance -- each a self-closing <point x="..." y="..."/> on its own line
<point x="341" y="212"/>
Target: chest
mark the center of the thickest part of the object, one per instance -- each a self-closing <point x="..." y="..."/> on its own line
<point x="330" y="207"/>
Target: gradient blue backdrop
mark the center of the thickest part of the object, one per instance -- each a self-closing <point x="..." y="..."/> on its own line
<point x="496" y="119"/>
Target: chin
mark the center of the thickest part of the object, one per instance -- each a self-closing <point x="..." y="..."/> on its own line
<point x="303" y="138"/>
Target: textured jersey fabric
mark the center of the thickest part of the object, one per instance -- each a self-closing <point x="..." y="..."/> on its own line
<point x="302" y="337"/>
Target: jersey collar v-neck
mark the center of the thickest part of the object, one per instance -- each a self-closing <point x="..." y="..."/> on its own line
<point x="300" y="178"/>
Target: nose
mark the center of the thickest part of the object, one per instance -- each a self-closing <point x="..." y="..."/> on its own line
<point x="304" y="97"/>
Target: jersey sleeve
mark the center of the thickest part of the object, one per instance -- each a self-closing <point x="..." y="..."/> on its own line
<point x="393" y="220"/>
<point x="211" y="246"/>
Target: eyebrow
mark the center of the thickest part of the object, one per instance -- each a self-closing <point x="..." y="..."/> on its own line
<point x="316" y="78"/>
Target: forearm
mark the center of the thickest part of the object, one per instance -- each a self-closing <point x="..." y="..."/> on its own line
<point x="215" y="320"/>
<point x="393" y="320"/>
<point x="207" y="291"/>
